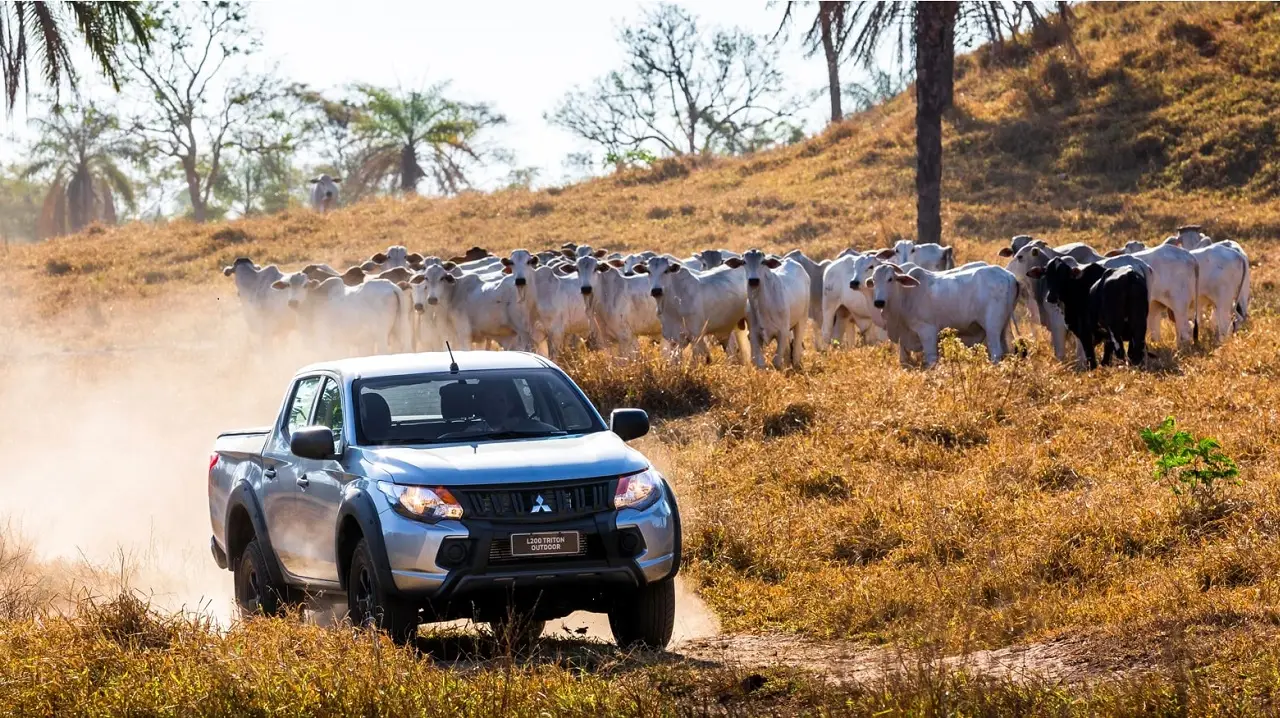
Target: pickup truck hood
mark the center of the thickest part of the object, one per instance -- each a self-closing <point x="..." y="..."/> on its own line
<point x="505" y="462"/>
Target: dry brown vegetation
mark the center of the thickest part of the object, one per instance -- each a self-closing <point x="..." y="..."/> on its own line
<point x="970" y="507"/>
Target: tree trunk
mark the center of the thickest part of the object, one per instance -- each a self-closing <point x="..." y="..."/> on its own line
<point x="80" y="199"/>
<point x="935" y="62"/>
<point x="408" y="170"/>
<point x="198" y="209"/>
<point x="825" y="10"/>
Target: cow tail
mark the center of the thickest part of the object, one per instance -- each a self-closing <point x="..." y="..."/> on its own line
<point x="1195" y="318"/>
<point x="1242" y="308"/>
<point x="1013" y="315"/>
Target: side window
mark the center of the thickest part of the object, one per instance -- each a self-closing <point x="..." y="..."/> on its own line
<point x="329" y="410"/>
<point x="300" y="405"/>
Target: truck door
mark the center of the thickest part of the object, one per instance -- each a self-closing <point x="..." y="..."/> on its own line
<point x="319" y="490"/>
<point x="289" y="535"/>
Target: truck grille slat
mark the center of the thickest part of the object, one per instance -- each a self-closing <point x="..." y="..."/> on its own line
<point x="538" y="502"/>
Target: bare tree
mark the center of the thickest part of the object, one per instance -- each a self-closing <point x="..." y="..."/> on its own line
<point x="192" y="109"/>
<point x="682" y="91"/>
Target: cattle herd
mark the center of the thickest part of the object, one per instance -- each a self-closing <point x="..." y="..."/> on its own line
<point x="907" y="294"/>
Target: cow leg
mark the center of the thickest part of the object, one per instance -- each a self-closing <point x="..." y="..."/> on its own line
<point x="780" y="354"/>
<point x="1137" y="346"/>
<point x="929" y="343"/>
<point x="1057" y="327"/>
<point x="1108" y="348"/>
<point x="797" y="345"/>
<point x="1090" y="352"/>
<point x="755" y="334"/>
<point x="1155" y="312"/>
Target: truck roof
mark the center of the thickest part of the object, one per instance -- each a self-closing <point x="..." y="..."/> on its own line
<point x="384" y="365"/>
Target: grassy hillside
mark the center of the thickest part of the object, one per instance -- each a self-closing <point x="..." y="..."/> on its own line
<point x="968" y="507"/>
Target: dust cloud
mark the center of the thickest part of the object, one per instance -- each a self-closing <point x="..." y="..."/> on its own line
<point x="111" y="415"/>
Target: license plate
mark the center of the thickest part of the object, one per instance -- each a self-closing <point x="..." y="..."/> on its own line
<point x="549" y="543"/>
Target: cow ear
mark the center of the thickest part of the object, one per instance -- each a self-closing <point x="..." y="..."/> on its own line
<point x="1006" y="252"/>
<point x="734" y="262"/>
<point x="606" y="268"/>
<point x="415" y="258"/>
<point x="456" y="260"/>
<point x="1035" y="272"/>
<point x="772" y="263"/>
<point x="533" y="261"/>
<point x="418" y="279"/>
<point x="617" y="263"/>
<point x="566" y="270"/>
<point x="336" y="179"/>
<point x="907" y="280"/>
<point x="1077" y="271"/>
<point x="279" y="285"/>
<point x="506" y="268"/>
<point x="600" y="253"/>
<point x="1035" y="251"/>
<point x="1115" y="253"/>
<point x="313" y="180"/>
<point x="640" y="269"/>
<point x="370" y="266"/>
<point x="449" y="278"/>
<point x="228" y="271"/>
<point x="378" y="258"/>
<point x="506" y="261"/>
<point x="448" y="266"/>
<point x="312" y="283"/>
<point x="675" y="267"/>
<point x="568" y="253"/>
<point x="886" y="254"/>
<point x="404" y="285"/>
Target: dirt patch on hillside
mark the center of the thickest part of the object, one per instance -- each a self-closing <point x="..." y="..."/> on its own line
<point x="1068" y="659"/>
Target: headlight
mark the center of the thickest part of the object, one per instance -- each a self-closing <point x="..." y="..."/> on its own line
<point x="637" y="491"/>
<point x="420" y="502"/>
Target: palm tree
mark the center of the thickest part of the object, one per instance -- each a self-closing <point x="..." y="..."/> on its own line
<point x="82" y="147"/>
<point x="44" y="29"/>
<point x="410" y="137"/>
<point x="928" y="30"/>
<point x="829" y="31"/>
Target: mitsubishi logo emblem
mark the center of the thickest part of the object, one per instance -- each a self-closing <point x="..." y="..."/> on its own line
<point x="539" y="504"/>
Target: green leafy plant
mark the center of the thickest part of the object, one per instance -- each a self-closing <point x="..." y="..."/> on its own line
<point x="1189" y="465"/>
<point x="630" y="158"/>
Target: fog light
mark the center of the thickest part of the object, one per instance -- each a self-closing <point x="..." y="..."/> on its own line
<point x="453" y="552"/>
<point x="630" y="542"/>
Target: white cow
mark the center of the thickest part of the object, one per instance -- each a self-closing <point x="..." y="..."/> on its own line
<point x="1082" y="252"/>
<point x="559" y="308"/>
<point x="620" y="304"/>
<point x="777" y="305"/>
<point x="471" y="309"/>
<point x="1174" y="288"/>
<point x="1224" y="283"/>
<point x="933" y="257"/>
<point x="373" y="314"/>
<point x="842" y="302"/>
<point x="712" y="258"/>
<point x="694" y="305"/>
<point x="1035" y="290"/>
<point x="976" y="300"/>
<point x="815" y="271"/>
<point x="1191" y="238"/>
<point x="265" y="312"/>
<point x="324" y="193"/>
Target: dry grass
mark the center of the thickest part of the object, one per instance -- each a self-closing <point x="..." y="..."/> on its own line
<point x="972" y="506"/>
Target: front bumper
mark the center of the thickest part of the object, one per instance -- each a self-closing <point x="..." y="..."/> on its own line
<point x="420" y="567"/>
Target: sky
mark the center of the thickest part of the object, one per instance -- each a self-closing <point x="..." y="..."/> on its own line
<point x="521" y="57"/>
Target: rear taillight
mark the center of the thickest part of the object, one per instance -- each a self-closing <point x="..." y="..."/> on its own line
<point x="213" y="461"/>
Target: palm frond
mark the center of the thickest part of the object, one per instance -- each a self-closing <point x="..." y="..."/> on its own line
<point x="110" y="174"/>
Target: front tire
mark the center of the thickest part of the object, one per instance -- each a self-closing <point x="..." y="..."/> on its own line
<point x="647" y="617"/>
<point x="256" y="594"/>
<point x="373" y="605"/>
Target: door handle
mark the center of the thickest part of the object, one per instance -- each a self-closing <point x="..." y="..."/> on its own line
<point x="303" y="481"/>
<point x="269" y="474"/>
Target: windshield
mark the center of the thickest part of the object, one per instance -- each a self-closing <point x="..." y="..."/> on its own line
<point x="474" y="406"/>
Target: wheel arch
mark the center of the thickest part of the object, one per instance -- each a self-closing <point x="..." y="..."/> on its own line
<point x="244" y="523"/>
<point x="358" y="519"/>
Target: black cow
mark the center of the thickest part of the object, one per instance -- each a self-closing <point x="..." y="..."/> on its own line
<point x="1100" y="304"/>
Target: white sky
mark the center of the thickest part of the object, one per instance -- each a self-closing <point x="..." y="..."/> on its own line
<point x="520" y="56"/>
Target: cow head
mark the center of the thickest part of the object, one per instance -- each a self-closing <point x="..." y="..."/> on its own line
<point x="324" y="195"/>
<point x="296" y="287"/>
<point x="711" y="258"/>
<point x="902" y="251"/>
<point x="757" y="263"/>
<point x="865" y="264"/>
<point x="520" y="265"/>
<point x="886" y="281"/>
<point x="434" y="285"/>
<point x="1015" y="244"/>
<point x="236" y="265"/>
<point x="590" y="271"/>
<point x="1058" y="274"/>
<point x="660" y="270"/>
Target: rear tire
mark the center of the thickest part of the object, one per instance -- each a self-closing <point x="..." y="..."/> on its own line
<point x="256" y="594"/>
<point x="373" y="605"/>
<point x="647" y="617"/>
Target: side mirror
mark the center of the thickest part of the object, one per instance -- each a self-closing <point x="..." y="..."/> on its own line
<point x="312" y="442"/>
<point x="629" y="423"/>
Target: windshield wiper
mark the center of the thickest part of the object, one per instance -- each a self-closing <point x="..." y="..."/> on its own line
<point x="508" y="434"/>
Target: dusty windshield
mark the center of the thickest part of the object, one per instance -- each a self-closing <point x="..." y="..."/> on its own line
<point x="473" y="406"/>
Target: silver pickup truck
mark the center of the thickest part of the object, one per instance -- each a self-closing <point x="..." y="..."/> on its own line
<point x="419" y="489"/>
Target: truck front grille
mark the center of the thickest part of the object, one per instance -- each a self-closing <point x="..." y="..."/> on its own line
<point x="538" y="502"/>
<point x="589" y="546"/>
